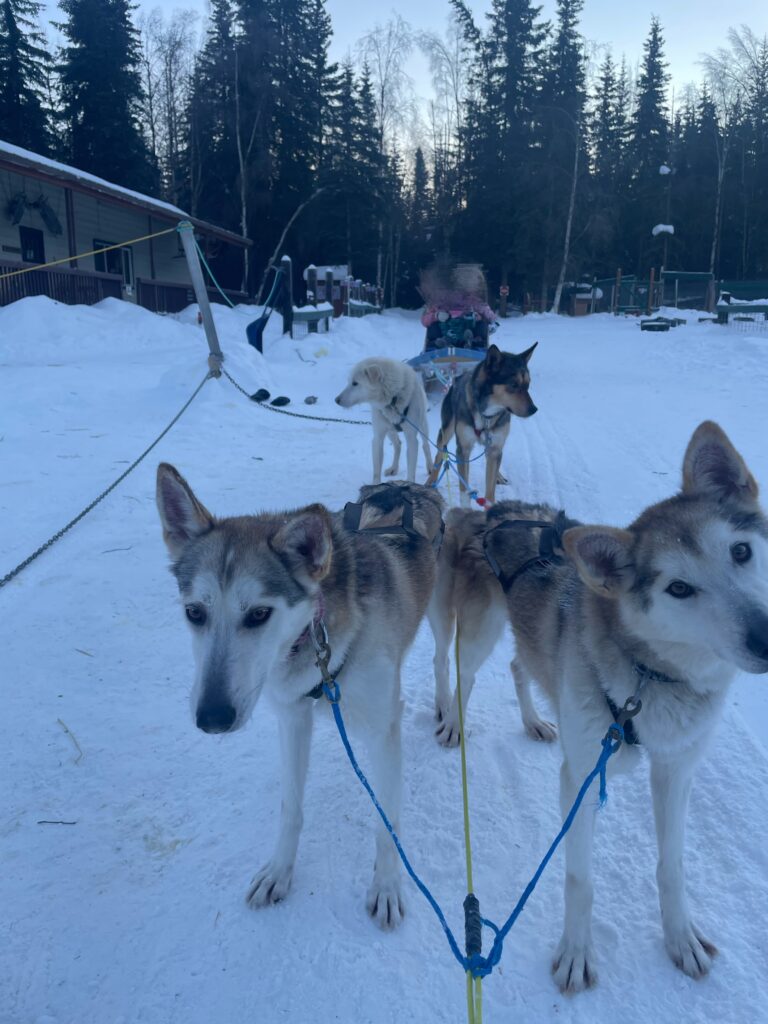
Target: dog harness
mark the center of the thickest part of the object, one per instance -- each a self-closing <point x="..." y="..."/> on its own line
<point x="353" y="512"/>
<point x="550" y="542"/>
<point x="403" y="415"/>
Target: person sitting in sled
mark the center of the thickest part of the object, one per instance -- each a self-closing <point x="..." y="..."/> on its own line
<point x="465" y="325"/>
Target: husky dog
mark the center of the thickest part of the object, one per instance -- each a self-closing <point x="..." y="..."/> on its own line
<point x="468" y="592"/>
<point x="666" y="612"/>
<point x="479" y="406"/>
<point x="398" y="405"/>
<point x="256" y="589"/>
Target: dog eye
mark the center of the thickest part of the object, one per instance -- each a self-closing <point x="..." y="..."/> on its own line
<point x="196" y="614"/>
<point x="680" y="589"/>
<point x="741" y="553"/>
<point x="256" y="617"/>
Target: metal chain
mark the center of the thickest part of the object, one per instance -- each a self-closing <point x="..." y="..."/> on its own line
<point x="57" y="536"/>
<point x="298" y="415"/>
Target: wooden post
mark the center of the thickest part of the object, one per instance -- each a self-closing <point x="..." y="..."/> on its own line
<point x="593" y="297"/>
<point x="287" y="268"/>
<point x="677" y="287"/>
<point x="187" y="235"/>
<point x="71" y="236"/>
<point x="151" y="249"/>
<point x="617" y="293"/>
<point x="650" y="290"/>
<point x="329" y="292"/>
<point x="312" y="283"/>
<point x="710" y="295"/>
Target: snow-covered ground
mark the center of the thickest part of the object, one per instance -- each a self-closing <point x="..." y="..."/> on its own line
<point x="134" y="914"/>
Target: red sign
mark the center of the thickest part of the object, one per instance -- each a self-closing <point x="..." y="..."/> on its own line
<point x="504" y="290"/>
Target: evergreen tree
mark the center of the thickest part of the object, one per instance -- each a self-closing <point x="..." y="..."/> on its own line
<point x="420" y="205"/>
<point x="101" y="89"/>
<point x="211" y="118"/>
<point x="650" y="121"/>
<point x="563" y="137"/>
<point x="497" y="135"/>
<point x="24" y="64"/>
<point x="650" y="190"/>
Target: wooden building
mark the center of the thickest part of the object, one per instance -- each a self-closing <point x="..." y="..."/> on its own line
<point x="49" y="211"/>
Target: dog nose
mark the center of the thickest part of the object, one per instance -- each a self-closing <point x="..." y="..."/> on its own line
<point x="337" y="399"/>
<point x="216" y="717"/>
<point x="757" y="638"/>
<point x="533" y="409"/>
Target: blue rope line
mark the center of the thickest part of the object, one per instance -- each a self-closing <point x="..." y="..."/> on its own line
<point x="278" y="272"/>
<point x="449" y="459"/>
<point x="210" y="274"/>
<point x="479" y="966"/>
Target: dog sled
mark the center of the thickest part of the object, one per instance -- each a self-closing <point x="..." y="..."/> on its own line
<point x="458" y="321"/>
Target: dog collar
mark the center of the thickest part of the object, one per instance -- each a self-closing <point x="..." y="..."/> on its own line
<point x="650" y="675"/>
<point x="322" y="645"/>
<point x="403" y="415"/>
<point x="644" y="675"/>
<point x="317" y="691"/>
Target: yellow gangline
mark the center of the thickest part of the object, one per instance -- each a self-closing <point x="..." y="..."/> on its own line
<point x="82" y="255"/>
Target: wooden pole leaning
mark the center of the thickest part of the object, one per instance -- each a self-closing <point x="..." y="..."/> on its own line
<point x="215" y="356"/>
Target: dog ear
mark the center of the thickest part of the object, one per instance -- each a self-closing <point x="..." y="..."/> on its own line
<point x="601" y="555"/>
<point x="526" y="356"/>
<point x="373" y="373"/>
<point x="493" y="355"/>
<point x="712" y="467"/>
<point x="306" y="542"/>
<point x="182" y="515"/>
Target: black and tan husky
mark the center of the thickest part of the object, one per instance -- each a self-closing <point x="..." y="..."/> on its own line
<point x="478" y="408"/>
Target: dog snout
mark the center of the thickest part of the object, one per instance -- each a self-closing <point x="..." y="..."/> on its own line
<point x="757" y="637"/>
<point x="214" y="718"/>
<point x="337" y="399"/>
<point x="532" y="409"/>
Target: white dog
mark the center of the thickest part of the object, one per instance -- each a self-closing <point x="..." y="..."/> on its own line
<point x="398" y="405"/>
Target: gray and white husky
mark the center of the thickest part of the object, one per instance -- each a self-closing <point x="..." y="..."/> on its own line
<point x="666" y="611"/>
<point x="254" y="590"/>
<point x="398" y="405"/>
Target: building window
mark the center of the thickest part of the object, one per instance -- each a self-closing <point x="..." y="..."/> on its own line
<point x="116" y="261"/>
<point x="107" y="262"/>
<point x="32" y="245"/>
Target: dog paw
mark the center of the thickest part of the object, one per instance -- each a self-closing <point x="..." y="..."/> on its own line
<point x="543" y="732"/>
<point x="447" y="732"/>
<point x="385" y="905"/>
<point x="270" y="885"/>
<point x="691" y="952"/>
<point x="501" y="479"/>
<point x="573" y="968"/>
<point x="392" y="471"/>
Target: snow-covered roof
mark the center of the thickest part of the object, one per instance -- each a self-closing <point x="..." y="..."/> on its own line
<point x="25" y="160"/>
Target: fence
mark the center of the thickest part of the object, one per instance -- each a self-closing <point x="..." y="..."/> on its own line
<point x="626" y="294"/>
<point x="73" y="287"/>
<point x="172" y="297"/>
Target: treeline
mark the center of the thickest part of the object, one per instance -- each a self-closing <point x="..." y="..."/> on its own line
<point x="540" y="155"/>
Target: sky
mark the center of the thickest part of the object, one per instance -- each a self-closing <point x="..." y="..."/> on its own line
<point x="690" y="28"/>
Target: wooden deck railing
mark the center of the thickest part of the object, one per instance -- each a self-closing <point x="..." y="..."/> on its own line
<point x="75" y="287"/>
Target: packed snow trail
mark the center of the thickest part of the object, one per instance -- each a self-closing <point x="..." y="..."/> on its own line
<point x="136" y="913"/>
